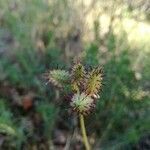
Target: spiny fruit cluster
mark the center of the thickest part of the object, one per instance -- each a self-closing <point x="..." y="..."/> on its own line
<point x="84" y="84"/>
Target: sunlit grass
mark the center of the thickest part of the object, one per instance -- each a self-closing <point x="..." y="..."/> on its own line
<point x="138" y="33"/>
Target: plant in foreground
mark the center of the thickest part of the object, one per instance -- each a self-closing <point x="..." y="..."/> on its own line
<point x="84" y="85"/>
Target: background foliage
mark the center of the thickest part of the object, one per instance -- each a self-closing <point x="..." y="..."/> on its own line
<point x="37" y="35"/>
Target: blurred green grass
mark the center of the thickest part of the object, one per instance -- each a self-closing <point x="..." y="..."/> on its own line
<point x="35" y="38"/>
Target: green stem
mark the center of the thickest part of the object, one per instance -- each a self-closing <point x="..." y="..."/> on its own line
<point x="83" y="130"/>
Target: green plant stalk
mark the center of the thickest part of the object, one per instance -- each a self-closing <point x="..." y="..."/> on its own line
<point x="83" y="130"/>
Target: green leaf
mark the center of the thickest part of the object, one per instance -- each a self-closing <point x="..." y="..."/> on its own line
<point x="6" y="129"/>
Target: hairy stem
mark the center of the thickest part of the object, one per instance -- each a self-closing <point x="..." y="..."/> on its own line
<point x="83" y="130"/>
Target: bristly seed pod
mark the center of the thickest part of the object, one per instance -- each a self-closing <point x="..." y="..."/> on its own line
<point x="77" y="76"/>
<point x="58" y="77"/>
<point x="82" y="103"/>
<point x="94" y="82"/>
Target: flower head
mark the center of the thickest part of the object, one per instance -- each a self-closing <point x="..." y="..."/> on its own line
<point x="85" y="86"/>
<point x="58" y="77"/>
<point x="77" y="76"/>
<point x="82" y="103"/>
<point x="93" y="81"/>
